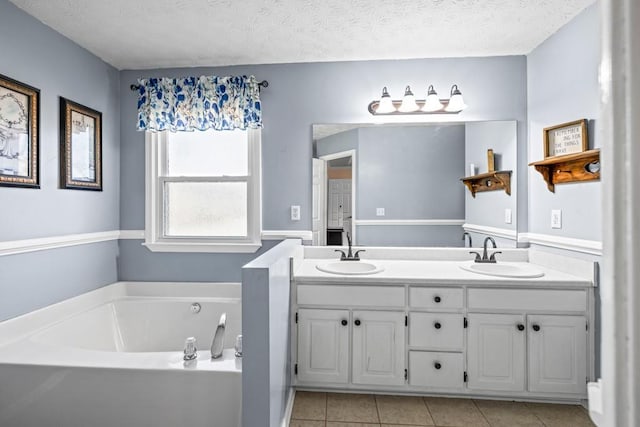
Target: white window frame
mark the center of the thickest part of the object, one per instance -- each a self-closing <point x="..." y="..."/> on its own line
<point x="156" y="241"/>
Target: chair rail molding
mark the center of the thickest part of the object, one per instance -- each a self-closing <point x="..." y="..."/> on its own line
<point x="593" y="247"/>
<point x="13" y="247"/>
<point x="504" y="233"/>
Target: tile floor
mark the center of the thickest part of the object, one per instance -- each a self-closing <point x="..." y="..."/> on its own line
<point x="312" y="409"/>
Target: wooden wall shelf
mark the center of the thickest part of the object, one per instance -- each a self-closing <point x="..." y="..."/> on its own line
<point x="577" y="167"/>
<point x="490" y="181"/>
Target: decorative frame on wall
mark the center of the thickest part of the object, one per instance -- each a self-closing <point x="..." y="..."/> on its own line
<point x="566" y="138"/>
<point x="80" y="147"/>
<point x="19" y="134"/>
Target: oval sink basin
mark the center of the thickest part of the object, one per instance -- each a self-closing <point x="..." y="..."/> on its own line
<point x="349" y="267"/>
<point x="503" y="270"/>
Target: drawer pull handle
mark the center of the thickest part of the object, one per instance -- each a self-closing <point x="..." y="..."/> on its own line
<point x="437" y="298"/>
<point x="437" y="325"/>
<point x="344" y="322"/>
<point x="536" y="327"/>
<point x="357" y="322"/>
<point x="520" y="327"/>
<point x="437" y="365"/>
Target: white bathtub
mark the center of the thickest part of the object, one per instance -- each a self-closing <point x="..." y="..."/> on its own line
<point x="113" y="357"/>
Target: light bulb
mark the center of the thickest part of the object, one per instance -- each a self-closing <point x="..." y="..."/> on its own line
<point x="408" y="102"/>
<point x="456" y="103"/>
<point x="385" y="105"/>
<point x="432" y="102"/>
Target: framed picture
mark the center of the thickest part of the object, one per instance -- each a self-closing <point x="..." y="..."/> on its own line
<point x="80" y="147"/>
<point x="567" y="138"/>
<point x="19" y="134"/>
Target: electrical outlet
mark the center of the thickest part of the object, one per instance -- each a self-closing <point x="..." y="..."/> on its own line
<point x="295" y="213"/>
<point x="556" y="218"/>
<point x="379" y="211"/>
<point x="507" y="216"/>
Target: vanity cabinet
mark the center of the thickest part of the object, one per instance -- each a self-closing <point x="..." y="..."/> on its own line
<point x="376" y="354"/>
<point x="478" y="340"/>
<point x="548" y="350"/>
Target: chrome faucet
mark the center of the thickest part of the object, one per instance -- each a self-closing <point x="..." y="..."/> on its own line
<point x="217" y="345"/>
<point x="466" y="234"/>
<point x="485" y="256"/>
<point x="349" y="256"/>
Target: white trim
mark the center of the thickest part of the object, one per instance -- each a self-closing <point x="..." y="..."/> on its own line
<point x="131" y="234"/>
<point x="354" y="183"/>
<point x="503" y="233"/>
<point x="203" y="247"/>
<point x="45" y="243"/>
<point x="288" y="409"/>
<point x="593" y="247"/>
<point x="287" y="234"/>
<point x="367" y="222"/>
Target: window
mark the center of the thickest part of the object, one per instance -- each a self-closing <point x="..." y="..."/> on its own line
<point x="203" y="191"/>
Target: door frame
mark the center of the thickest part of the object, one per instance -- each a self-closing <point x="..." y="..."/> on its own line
<point x="354" y="174"/>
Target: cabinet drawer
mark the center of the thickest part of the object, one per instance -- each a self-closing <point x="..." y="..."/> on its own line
<point x="436" y="370"/>
<point x="352" y="296"/>
<point x="439" y="331"/>
<point x="435" y="297"/>
<point x="528" y="299"/>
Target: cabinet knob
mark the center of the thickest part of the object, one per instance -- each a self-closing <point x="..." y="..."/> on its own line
<point x="536" y="327"/>
<point x="437" y="298"/>
<point x="344" y="322"/>
<point x="437" y="365"/>
<point x="520" y="327"/>
<point x="437" y="325"/>
<point x="357" y="322"/>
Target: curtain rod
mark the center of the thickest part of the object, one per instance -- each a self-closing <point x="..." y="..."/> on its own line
<point x="263" y="83"/>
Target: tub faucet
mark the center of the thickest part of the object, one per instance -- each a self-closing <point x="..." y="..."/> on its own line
<point x="349" y="256"/>
<point x="217" y="344"/>
<point x="485" y="256"/>
<point x="466" y="234"/>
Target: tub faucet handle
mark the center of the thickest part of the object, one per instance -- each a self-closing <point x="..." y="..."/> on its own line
<point x="190" y="350"/>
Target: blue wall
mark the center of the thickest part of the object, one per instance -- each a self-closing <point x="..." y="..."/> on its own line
<point x="38" y="56"/>
<point x="563" y="86"/>
<point x="300" y="95"/>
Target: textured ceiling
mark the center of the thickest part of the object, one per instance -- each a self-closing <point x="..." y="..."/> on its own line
<point x="131" y="34"/>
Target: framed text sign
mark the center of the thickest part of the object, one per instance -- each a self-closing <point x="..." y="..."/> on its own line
<point x="567" y="138"/>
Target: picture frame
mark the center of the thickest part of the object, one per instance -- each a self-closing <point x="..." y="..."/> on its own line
<point x="566" y="138"/>
<point x="19" y="134"/>
<point x="80" y="147"/>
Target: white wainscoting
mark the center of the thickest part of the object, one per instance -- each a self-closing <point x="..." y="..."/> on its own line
<point x="593" y="247"/>
<point x="503" y="233"/>
<point x="408" y="222"/>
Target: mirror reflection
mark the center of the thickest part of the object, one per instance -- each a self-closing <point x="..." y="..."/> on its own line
<point x="400" y="184"/>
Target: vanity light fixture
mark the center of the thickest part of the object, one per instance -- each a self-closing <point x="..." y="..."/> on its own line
<point x="410" y="105"/>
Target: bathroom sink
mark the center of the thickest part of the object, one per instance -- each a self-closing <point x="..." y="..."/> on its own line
<point x="350" y="267"/>
<point x="503" y="269"/>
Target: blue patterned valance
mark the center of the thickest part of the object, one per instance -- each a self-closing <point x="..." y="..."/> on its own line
<point x="199" y="103"/>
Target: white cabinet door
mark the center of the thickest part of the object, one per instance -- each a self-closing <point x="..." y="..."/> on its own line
<point x="496" y="352"/>
<point x="557" y="354"/>
<point x="323" y="346"/>
<point x="378" y="347"/>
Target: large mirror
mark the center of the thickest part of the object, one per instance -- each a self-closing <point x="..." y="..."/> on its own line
<point x="400" y="184"/>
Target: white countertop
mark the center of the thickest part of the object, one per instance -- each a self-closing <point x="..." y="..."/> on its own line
<point x="433" y="272"/>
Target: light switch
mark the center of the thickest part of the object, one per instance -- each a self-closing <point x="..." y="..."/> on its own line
<point x="295" y="213"/>
<point x="379" y="211"/>
<point x="556" y="218"/>
<point x="507" y="216"/>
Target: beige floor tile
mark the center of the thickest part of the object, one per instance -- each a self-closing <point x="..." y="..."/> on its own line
<point x="455" y="412"/>
<point x="508" y="414"/>
<point x="359" y="408"/>
<point x="310" y="406"/>
<point x="403" y="410"/>
<point x="341" y="424"/>
<point x="306" y="423"/>
<point x="561" y="415"/>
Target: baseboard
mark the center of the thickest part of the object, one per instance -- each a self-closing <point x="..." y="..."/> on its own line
<point x="288" y="410"/>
